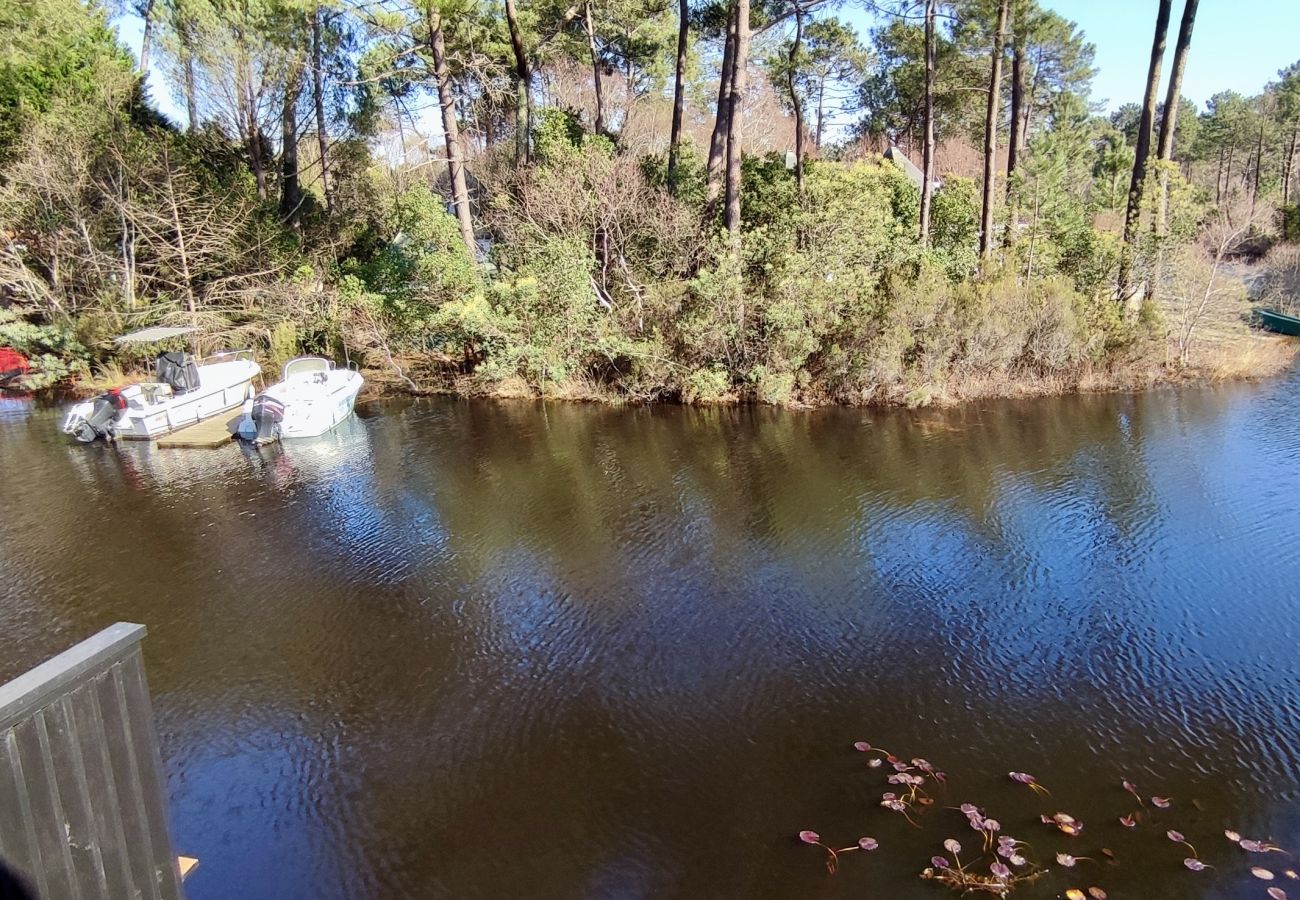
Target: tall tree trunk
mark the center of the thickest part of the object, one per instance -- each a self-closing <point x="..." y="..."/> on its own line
<point x="523" y="88"/>
<point x="991" y="134"/>
<point x="290" y="186"/>
<point x="455" y="161"/>
<point x="191" y="88"/>
<point x="1165" y="147"/>
<point x="146" y="37"/>
<point x="1290" y="169"/>
<point x="1218" y="179"/>
<point x="739" y="72"/>
<point x="717" y="163"/>
<point x="679" y="92"/>
<point x="255" y="150"/>
<point x="1175" y="92"/>
<point x="821" y="115"/>
<point x="318" y="103"/>
<point x="927" y="152"/>
<point x="796" y="48"/>
<point x="595" y="69"/>
<point x="1016" y="140"/>
<point x="1259" y="164"/>
<point x="1133" y="214"/>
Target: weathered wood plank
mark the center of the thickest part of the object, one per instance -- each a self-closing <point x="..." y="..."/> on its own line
<point x="102" y="790"/>
<point x="83" y="811"/>
<point x="122" y="756"/>
<point x="149" y="760"/>
<point x="18" y="826"/>
<point x="207" y="434"/>
<point x="69" y="767"/>
<point x="54" y="859"/>
<point x="34" y="688"/>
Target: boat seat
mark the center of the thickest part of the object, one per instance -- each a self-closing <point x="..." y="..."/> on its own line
<point x="148" y="393"/>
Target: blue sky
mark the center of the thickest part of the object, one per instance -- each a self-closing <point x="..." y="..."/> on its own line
<point x="1237" y="45"/>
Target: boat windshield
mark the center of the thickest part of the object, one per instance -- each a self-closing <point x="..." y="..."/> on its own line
<point x="306" y="365"/>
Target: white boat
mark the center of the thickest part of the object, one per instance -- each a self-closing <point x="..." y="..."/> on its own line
<point x="312" y="398"/>
<point x="188" y="390"/>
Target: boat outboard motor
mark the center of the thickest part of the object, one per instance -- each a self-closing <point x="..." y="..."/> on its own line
<point x="178" y="371"/>
<point x="99" y="423"/>
<point x="267" y="414"/>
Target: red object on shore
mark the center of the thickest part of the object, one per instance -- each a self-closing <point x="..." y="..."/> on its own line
<point x="12" y="365"/>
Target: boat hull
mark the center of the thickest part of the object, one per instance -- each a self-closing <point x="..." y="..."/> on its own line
<point x="1279" y="322"/>
<point x="325" y="413"/>
<point x="313" y="398"/>
<point x="224" y="386"/>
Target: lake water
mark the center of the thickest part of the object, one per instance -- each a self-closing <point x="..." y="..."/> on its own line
<point x="467" y="649"/>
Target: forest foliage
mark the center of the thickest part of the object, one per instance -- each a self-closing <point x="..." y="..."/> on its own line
<point x="598" y="200"/>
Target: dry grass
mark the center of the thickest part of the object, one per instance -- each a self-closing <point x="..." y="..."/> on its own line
<point x="1253" y="356"/>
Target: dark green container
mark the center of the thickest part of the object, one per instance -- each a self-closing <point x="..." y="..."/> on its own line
<point x="1279" y="322"/>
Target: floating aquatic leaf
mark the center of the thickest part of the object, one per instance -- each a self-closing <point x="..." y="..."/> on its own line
<point x="1127" y="821"/>
<point x="875" y="762"/>
<point x="1161" y="802"/>
<point x="1016" y="859"/>
<point x="1261" y="874"/>
<point x="1066" y="860"/>
<point x="868" y="843"/>
<point x="992" y="825"/>
<point x="940" y="862"/>
<point x="810" y="837"/>
<point x="969" y="809"/>
<point x="862" y="747"/>
<point x="1175" y="836"/>
<point x="1067" y="823"/>
<point x="1277" y="893"/>
<point x="999" y="870"/>
<point x="901" y="766"/>
<point x="1291" y="873"/>
<point x="1021" y="777"/>
<point x="1074" y="894"/>
<point x="1251" y="846"/>
<point x="1232" y="836"/>
<point x="952" y="846"/>
<point x="1096" y="893"/>
<point x="1194" y="864"/>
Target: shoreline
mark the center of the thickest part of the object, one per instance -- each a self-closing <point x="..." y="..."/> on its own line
<point x="1251" y="358"/>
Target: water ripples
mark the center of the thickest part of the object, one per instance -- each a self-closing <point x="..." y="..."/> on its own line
<point x="507" y="649"/>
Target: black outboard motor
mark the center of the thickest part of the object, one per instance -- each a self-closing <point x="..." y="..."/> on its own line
<point x="267" y="414"/>
<point x="100" y="421"/>
<point x="179" y="371"/>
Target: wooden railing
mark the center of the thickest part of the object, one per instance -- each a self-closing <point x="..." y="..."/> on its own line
<point x="82" y="805"/>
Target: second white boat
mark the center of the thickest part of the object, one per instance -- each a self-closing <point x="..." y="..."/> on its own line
<point x="312" y="398"/>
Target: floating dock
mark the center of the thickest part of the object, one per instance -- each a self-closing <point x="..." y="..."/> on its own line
<point x="207" y="434"/>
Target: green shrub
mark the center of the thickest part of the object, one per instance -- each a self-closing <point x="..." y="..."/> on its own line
<point x="712" y="385"/>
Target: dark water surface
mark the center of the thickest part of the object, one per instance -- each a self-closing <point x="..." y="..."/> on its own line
<point x="506" y="650"/>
